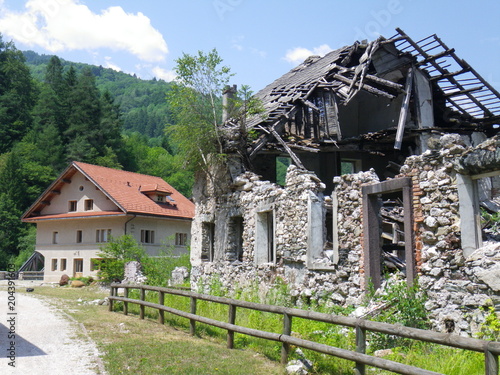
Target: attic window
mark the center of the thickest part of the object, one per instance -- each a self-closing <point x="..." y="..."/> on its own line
<point x="89" y="204"/>
<point x="160" y="198"/>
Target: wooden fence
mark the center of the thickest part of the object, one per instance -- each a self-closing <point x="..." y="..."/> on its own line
<point x="490" y="349"/>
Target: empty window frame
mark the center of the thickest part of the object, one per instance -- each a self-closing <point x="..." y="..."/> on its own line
<point x="235" y="239"/>
<point x="350" y="166"/>
<point x="208" y="242"/>
<point x="79" y="236"/>
<point x="475" y="191"/>
<point x="181" y="239"/>
<point x="265" y="251"/>
<point x="63" y="264"/>
<point x="372" y="228"/>
<point x="72" y="206"/>
<point x="54" y="265"/>
<point x="89" y="204"/>
<point x="147" y="236"/>
<point x="102" y="235"/>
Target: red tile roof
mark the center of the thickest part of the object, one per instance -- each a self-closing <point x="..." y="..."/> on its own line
<point x="124" y="189"/>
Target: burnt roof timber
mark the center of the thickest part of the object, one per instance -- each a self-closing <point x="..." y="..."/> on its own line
<point x="364" y="86"/>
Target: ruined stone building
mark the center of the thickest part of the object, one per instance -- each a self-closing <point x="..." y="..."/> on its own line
<point x="392" y="154"/>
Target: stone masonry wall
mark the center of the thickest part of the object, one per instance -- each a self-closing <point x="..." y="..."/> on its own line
<point x="457" y="286"/>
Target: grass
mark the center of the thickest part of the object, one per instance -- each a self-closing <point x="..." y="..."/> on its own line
<point x="133" y="346"/>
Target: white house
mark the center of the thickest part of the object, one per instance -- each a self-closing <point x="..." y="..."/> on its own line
<point x="87" y="204"/>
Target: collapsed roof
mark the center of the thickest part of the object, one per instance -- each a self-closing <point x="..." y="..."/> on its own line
<point x="402" y="88"/>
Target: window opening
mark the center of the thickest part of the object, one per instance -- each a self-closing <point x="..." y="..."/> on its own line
<point x="78" y="267"/>
<point x="208" y="242"/>
<point x="388" y="229"/>
<point x="72" y="206"/>
<point x="55" y="237"/>
<point x="63" y="264"/>
<point x="180" y="239"/>
<point x="147" y="236"/>
<point x="102" y="235"/>
<point x="264" y="238"/>
<point x="79" y="236"/>
<point x="235" y="239"/>
<point x="282" y="164"/>
<point x="89" y="204"/>
<point x="54" y="265"/>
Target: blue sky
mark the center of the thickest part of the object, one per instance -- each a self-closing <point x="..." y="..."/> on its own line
<point x="259" y="39"/>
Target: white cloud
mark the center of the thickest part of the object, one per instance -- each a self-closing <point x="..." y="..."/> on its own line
<point x="166" y="75"/>
<point x="58" y="25"/>
<point x="111" y="65"/>
<point x="299" y="54"/>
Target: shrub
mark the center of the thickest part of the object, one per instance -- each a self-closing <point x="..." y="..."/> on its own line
<point x="115" y="254"/>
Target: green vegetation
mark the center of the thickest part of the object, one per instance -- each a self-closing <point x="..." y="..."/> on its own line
<point x="120" y="250"/>
<point x="428" y="356"/>
<point x="131" y="345"/>
<point x="402" y="304"/>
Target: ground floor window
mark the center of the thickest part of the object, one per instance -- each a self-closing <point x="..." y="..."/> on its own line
<point x="180" y="239"/>
<point x="78" y="267"/>
<point x="63" y="264"/>
<point x="54" y="265"/>
<point x="147" y="236"/>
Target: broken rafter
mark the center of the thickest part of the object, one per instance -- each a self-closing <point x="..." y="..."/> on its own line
<point x="276" y="127"/>
<point x="364" y="86"/>
<point x="404" y="109"/>
<point x="294" y="157"/>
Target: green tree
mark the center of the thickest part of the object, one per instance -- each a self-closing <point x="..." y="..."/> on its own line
<point x="17" y="96"/>
<point x="115" y="254"/>
<point x="197" y="107"/>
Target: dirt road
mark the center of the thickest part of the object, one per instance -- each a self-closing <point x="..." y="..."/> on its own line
<point x="40" y="340"/>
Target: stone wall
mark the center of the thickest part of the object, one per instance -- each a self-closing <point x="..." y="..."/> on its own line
<point x="457" y="286"/>
<point x="451" y="280"/>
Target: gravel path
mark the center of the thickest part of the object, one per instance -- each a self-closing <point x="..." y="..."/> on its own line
<point x="47" y="341"/>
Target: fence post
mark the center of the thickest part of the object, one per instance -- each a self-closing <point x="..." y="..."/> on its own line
<point x="161" y="301"/>
<point x="143" y="298"/>
<point x="192" y="323"/>
<point x="111" y="294"/>
<point x="125" y="304"/>
<point x="231" y="320"/>
<point x="490" y="362"/>
<point x="287" y="330"/>
<point x="360" y="348"/>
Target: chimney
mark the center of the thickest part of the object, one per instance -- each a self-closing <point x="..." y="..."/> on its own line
<point x="228" y="96"/>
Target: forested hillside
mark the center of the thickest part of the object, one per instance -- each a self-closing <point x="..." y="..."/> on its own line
<point x="142" y="102"/>
<point x="53" y="112"/>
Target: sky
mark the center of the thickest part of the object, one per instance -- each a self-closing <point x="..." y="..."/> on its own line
<point x="259" y="40"/>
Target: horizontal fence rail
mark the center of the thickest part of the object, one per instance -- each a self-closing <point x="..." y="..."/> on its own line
<point x="490" y="349"/>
